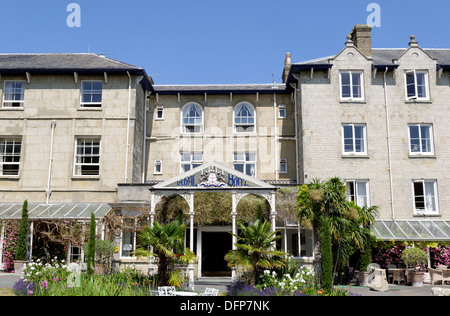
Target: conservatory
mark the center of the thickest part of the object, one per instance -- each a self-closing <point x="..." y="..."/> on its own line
<point x="412" y="230"/>
<point x="51" y="213"/>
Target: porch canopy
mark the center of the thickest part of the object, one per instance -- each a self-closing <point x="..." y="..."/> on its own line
<point x="80" y="212"/>
<point x="412" y="230"/>
<point x="213" y="177"/>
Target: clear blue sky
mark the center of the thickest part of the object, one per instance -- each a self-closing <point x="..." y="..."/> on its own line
<point x="211" y="41"/>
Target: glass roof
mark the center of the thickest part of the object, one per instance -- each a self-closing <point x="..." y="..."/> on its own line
<point x="431" y="230"/>
<point x="54" y="211"/>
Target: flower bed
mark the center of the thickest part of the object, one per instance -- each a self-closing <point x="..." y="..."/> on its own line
<point x="56" y="279"/>
<point x="299" y="282"/>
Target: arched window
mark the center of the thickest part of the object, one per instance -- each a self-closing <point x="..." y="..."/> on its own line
<point x="192" y="118"/>
<point x="244" y="118"/>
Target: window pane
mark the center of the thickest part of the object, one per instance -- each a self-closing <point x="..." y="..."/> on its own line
<point x="421" y="85"/>
<point x="410" y="85"/>
<point x="239" y="167"/>
<point x="362" y="193"/>
<point x="348" y="138"/>
<point x="250" y="170"/>
<point x="345" y="85"/>
<point x="430" y="203"/>
<point x="356" y="78"/>
<point x="359" y="139"/>
<point x="350" y="190"/>
<point x="239" y="156"/>
<point x="419" y="195"/>
<point x="426" y="138"/>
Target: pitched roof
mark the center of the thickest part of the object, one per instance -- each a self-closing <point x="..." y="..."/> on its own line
<point x="385" y="56"/>
<point x="220" y="88"/>
<point x="67" y="63"/>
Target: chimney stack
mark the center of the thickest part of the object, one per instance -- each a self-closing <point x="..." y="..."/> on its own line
<point x="287" y="66"/>
<point x="362" y="38"/>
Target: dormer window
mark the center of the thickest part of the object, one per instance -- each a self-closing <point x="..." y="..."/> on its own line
<point x="352" y="86"/>
<point x="417" y="85"/>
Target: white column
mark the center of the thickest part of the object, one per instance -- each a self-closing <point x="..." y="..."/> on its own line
<point x="273" y="212"/>
<point x="31" y="240"/>
<point x="152" y="209"/>
<point x="234" y="229"/>
<point x="191" y="241"/>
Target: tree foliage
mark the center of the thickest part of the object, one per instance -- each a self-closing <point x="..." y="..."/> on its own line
<point x="22" y="236"/>
<point x="255" y="248"/>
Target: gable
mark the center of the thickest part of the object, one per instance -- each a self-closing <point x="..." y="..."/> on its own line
<point x="213" y="176"/>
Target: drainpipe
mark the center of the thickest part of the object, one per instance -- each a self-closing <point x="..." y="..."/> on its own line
<point x="389" y="144"/>
<point x="146" y="109"/>
<point x="275" y="136"/>
<point x="128" y="127"/>
<point x="48" y="192"/>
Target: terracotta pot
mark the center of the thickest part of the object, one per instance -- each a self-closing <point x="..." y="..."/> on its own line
<point x="417" y="278"/>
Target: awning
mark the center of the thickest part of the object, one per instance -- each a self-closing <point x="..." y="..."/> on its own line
<point x="413" y="230"/>
<point x="54" y="211"/>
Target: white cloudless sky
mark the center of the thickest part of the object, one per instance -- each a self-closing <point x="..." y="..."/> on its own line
<point x="215" y="42"/>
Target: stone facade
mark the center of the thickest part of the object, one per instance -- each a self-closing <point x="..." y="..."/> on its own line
<point x="218" y="141"/>
<point x="56" y="97"/>
<point x="384" y="110"/>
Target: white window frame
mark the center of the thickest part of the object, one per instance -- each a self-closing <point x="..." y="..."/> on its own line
<point x="240" y="124"/>
<point x="427" y="86"/>
<point x="159" y="109"/>
<point x="90" y="105"/>
<point x="351" y="97"/>
<point x="200" y="125"/>
<point x="80" y="164"/>
<point x="282" y="111"/>
<point x="11" y="102"/>
<point x="244" y="158"/>
<point x="421" y="152"/>
<point x="426" y="211"/>
<point x="284" y="161"/>
<point x="158" y="162"/>
<point x="357" y="198"/>
<point x="354" y="153"/>
<point x="192" y="162"/>
<point x="10" y="141"/>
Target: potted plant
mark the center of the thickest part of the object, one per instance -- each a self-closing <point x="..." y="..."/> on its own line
<point x="104" y="250"/>
<point x="415" y="258"/>
<point x="366" y="259"/>
<point x="22" y="240"/>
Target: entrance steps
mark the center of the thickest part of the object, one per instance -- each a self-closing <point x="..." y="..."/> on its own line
<point x="219" y="283"/>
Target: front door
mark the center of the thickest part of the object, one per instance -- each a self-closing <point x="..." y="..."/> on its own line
<point x="215" y="245"/>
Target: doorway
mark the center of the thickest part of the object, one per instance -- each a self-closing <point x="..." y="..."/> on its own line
<point x="215" y="245"/>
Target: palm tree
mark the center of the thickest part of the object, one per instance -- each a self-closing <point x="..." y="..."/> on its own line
<point x="168" y="245"/>
<point x="255" y="248"/>
<point x="349" y="223"/>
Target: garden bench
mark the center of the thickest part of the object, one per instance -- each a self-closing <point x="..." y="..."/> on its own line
<point x="166" y="291"/>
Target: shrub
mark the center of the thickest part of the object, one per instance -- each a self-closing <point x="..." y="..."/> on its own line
<point x="415" y="257"/>
<point x="21" y="248"/>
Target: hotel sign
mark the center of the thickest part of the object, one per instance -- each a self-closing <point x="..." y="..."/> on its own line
<point x="212" y="177"/>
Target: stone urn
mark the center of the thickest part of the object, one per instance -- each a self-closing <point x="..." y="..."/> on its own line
<point x="363" y="279"/>
<point x="19" y="265"/>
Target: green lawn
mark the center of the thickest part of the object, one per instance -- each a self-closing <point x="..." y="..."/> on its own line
<point x="6" y="292"/>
